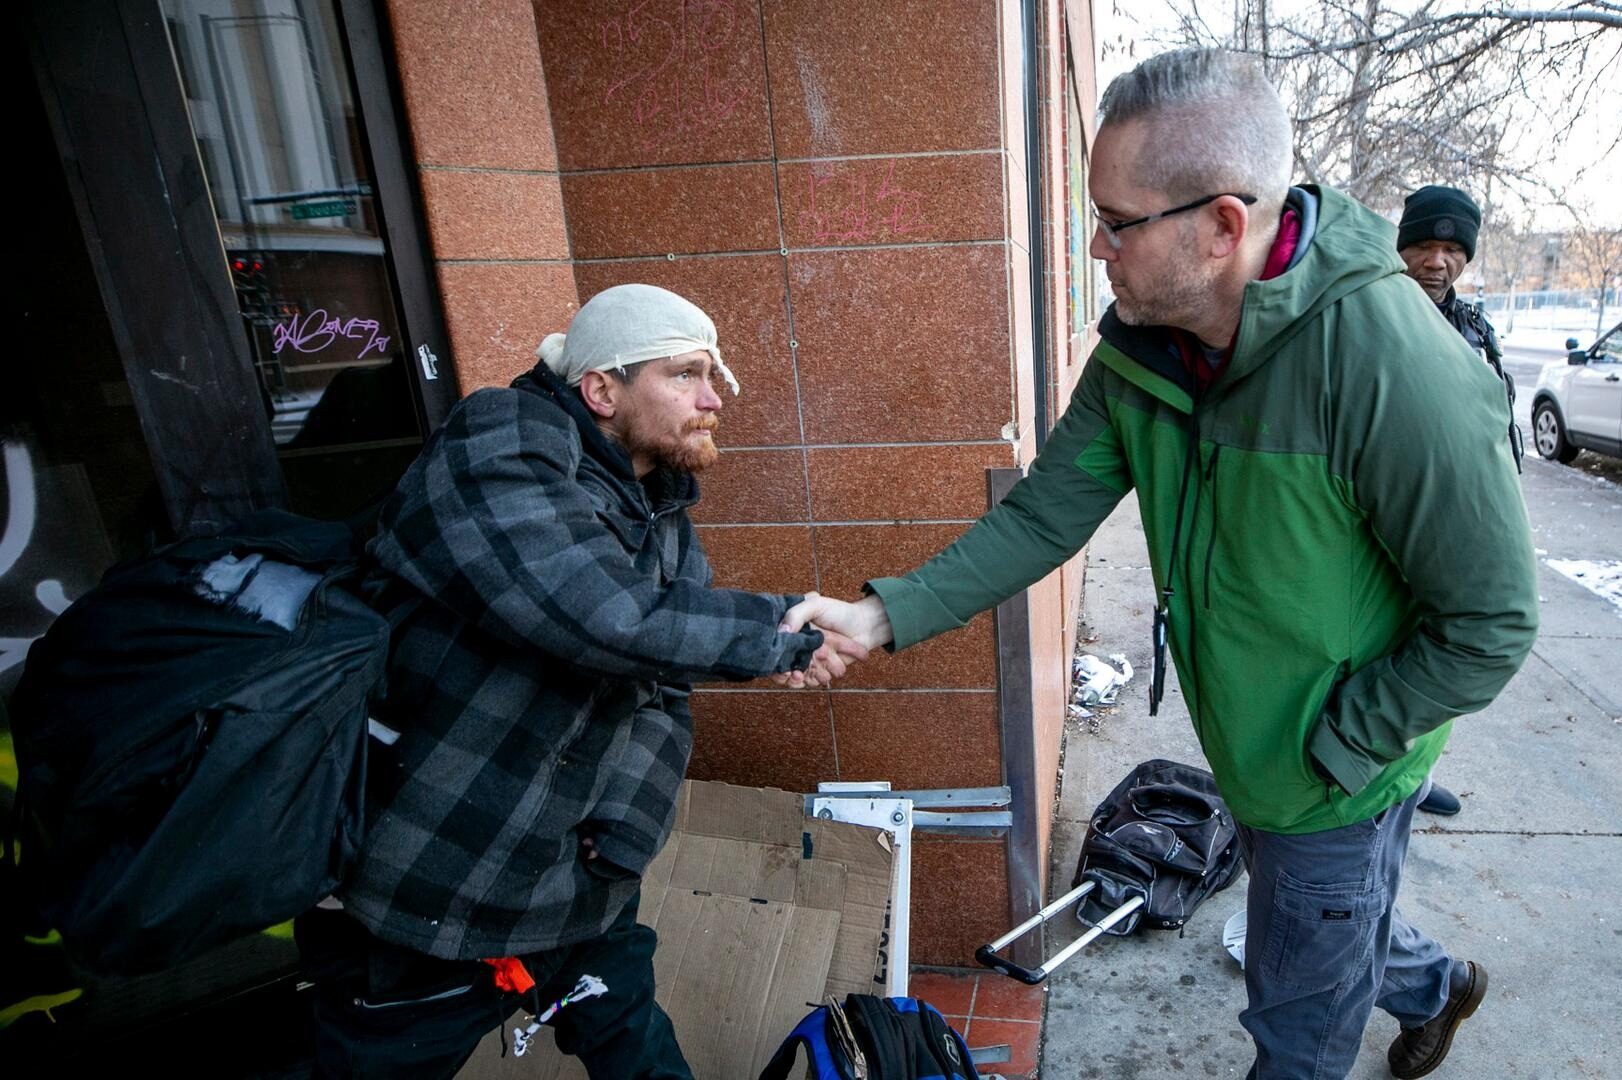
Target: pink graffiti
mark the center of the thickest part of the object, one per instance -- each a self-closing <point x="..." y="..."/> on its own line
<point x="313" y="332"/>
<point x="667" y="67"/>
<point x="840" y="208"/>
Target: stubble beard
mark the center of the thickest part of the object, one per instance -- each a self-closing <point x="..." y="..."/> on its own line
<point x="1174" y="299"/>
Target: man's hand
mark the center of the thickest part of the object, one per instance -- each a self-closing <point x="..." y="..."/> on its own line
<point x="865" y="622"/>
<point x="849" y="631"/>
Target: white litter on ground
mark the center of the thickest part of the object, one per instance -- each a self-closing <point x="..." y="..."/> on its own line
<point x="1233" y="935"/>
<point x="1602" y="578"/>
<point x="1099" y="683"/>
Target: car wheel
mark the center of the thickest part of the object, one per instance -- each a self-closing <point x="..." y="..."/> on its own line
<point x="1549" y="434"/>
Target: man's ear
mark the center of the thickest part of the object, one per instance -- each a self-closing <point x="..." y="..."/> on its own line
<point x="1232" y="225"/>
<point x="601" y="393"/>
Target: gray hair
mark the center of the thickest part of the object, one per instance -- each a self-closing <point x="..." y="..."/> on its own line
<point x="1218" y="125"/>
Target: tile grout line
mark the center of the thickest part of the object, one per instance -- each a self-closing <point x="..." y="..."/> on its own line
<point x="499" y="170"/>
<point x="671" y="256"/>
<point x="774" y="160"/>
<point x="742" y="253"/>
<point x="788" y="296"/>
<point x="1008" y="263"/>
<point x="794" y="352"/>
<point x="1004" y="1020"/>
<point x="568" y="224"/>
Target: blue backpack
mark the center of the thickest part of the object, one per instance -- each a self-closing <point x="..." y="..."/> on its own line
<point x="896" y="1038"/>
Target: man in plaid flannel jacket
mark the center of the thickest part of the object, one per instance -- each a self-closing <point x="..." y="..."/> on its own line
<point x="539" y="686"/>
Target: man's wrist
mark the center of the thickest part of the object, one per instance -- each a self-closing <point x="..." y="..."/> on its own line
<point x="876" y="629"/>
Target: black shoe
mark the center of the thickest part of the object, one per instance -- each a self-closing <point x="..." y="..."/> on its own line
<point x="1439" y="800"/>
<point x="1418" y="1051"/>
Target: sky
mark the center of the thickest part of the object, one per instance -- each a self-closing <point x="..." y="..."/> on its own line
<point x="1600" y="188"/>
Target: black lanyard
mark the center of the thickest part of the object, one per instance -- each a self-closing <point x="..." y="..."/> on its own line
<point x="1162" y="617"/>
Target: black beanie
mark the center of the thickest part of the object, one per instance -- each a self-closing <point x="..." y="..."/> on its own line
<point x="1435" y="212"/>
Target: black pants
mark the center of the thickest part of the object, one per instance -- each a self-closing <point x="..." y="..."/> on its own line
<point x="385" y="1011"/>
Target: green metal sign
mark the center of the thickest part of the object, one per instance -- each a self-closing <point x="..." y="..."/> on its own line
<point x="331" y="208"/>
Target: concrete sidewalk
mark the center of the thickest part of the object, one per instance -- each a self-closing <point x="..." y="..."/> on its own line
<point x="1526" y="879"/>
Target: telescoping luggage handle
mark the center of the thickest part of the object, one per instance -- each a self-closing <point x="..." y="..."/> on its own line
<point x="987" y="954"/>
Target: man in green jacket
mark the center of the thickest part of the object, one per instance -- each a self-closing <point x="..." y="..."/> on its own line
<point x="1340" y="551"/>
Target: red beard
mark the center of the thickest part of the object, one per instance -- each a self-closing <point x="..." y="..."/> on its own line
<point x="682" y="453"/>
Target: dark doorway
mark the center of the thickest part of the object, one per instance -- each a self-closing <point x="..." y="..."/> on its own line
<point x="227" y="304"/>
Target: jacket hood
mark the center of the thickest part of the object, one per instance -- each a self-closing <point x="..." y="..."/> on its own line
<point x="1351" y="248"/>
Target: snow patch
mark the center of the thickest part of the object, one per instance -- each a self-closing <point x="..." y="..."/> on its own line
<point x="1602" y="578"/>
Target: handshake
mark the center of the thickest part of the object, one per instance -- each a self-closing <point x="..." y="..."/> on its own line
<point x="849" y="631"/>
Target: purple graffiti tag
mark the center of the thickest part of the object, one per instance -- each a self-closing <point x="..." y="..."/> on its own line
<point x="903" y="217"/>
<point x="313" y="332"/>
<point x="380" y="342"/>
<point x="668" y="66"/>
<point x="839" y="208"/>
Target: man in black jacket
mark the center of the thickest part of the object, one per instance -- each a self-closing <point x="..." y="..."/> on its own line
<point x="1436" y="238"/>
<point x="559" y="607"/>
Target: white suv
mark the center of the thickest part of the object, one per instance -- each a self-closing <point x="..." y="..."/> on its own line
<point x="1578" y="403"/>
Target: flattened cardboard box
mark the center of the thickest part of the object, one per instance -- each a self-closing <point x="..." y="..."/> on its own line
<point x="761" y="912"/>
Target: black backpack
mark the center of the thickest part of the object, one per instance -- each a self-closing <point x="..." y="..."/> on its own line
<point x="898" y="1039"/>
<point x="1163" y="834"/>
<point x="191" y="739"/>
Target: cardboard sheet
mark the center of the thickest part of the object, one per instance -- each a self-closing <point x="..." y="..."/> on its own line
<point x="760" y="913"/>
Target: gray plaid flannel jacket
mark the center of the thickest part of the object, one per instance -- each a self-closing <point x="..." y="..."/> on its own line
<point x="541" y="691"/>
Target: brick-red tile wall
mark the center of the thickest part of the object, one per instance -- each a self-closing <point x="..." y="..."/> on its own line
<point x="481" y="133"/>
<point x="841" y="186"/>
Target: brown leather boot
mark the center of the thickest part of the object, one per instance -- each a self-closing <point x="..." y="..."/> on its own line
<point x="1418" y="1051"/>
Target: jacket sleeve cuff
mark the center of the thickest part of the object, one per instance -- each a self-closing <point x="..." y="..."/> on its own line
<point x="627" y="849"/>
<point x="798" y="649"/>
<point x="915" y="612"/>
<point x="1353" y="771"/>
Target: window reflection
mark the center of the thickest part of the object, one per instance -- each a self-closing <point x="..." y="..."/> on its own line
<point x="269" y="92"/>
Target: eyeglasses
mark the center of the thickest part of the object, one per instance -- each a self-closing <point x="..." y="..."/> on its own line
<point x="1112" y="232"/>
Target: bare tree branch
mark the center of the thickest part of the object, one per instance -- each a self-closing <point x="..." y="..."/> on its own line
<point x="1593" y="256"/>
<point x="1424" y="31"/>
<point x="1387" y="95"/>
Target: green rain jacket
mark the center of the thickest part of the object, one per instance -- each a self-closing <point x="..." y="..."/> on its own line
<point x="1354" y="566"/>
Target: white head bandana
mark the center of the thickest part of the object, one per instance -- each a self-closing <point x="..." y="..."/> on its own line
<point x="630" y="324"/>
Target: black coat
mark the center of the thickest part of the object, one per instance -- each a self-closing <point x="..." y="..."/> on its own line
<point x="1478" y="333"/>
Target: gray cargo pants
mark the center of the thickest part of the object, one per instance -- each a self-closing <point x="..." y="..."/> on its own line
<point x="1325" y="944"/>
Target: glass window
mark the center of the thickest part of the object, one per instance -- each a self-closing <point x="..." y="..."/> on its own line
<point x="1083" y="280"/>
<point x="1609" y="348"/>
<point x="270" y="95"/>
